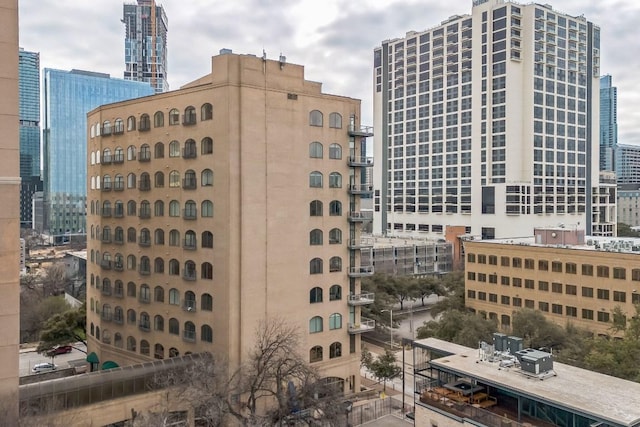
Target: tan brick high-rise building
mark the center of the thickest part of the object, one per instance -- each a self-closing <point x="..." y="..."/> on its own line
<point x="10" y="212"/>
<point x="225" y="204"/>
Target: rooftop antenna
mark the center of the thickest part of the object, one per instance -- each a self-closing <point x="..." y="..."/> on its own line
<point x="283" y="60"/>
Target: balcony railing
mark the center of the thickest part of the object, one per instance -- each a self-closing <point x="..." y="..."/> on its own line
<point x="118" y="266"/>
<point x="118" y="319"/>
<point x="144" y="214"/>
<point x="190" y="214"/>
<point x="360" y="161"/>
<point x="365" y="325"/>
<point x="360" y="216"/>
<point x="144" y="299"/>
<point x="189" y="336"/>
<point x="106" y="159"/>
<point x="145" y="156"/>
<point x="144" y="185"/>
<point x="360" y="189"/>
<point x="144" y="327"/>
<point x="106" y="265"/>
<point x="360" y="243"/>
<point x="189" y="153"/>
<point x="118" y="186"/>
<point x="190" y="306"/>
<point x="190" y="244"/>
<point x="189" y="183"/>
<point x="118" y="158"/>
<point x="362" y="271"/>
<point x="144" y="271"/>
<point x="118" y="293"/>
<point x="106" y="238"/>
<point x="106" y="187"/>
<point x="361" y="299"/>
<point x="108" y="317"/>
<point x="355" y="130"/>
<point x="189" y="276"/>
<point x="188" y="119"/>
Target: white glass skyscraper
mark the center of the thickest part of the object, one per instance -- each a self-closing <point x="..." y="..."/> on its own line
<point x="489" y="121"/>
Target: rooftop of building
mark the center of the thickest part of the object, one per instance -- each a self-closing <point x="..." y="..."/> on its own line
<point x="579" y="389"/>
<point x="402" y="241"/>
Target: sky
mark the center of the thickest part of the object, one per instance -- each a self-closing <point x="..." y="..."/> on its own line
<point x="333" y="39"/>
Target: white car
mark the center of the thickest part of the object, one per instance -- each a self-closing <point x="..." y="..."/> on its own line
<point x="44" y="367"/>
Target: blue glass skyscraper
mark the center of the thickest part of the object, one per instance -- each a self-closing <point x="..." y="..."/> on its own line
<point x="608" y="123"/>
<point x="68" y="97"/>
<point x="29" y="92"/>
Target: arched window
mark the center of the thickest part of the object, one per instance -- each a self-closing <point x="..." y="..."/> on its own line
<point x="315" y="325"/>
<point x="117" y="340"/>
<point x="190" y="115"/>
<point x="106" y="286"/>
<point x="158" y="236"/>
<point x="159" y="180"/>
<point x="315" y="150"/>
<point x="206" y="112"/>
<point x="315" y="295"/>
<point x="315" y="179"/>
<point x="131" y="316"/>
<point x="335" y="350"/>
<point x="335" y="293"/>
<point x="145" y="153"/>
<point x="206" y="145"/>
<point x="315" y="237"/>
<point x="145" y="267"/>
<point x="315" y="354"/>
<point x="315" y="266"/>
<point x="158" y="351"/>
<point x="335" y="321"/>
<point x="158" y="293"/>
<point x="206" y="178"/>
<point x="174" y="149"/>
<point x="206" y="302"/>
<point x="207" y="209"/>
<point x="131" y="208"/>
<point x="174" y="179"/>
<point x="131" y="152"/>
<point x="118" y="288"/>
<point x="206" y="333"/>
<point x="174" y="326"/>
<point x="174" y="297"/>
<point x="145" y="122"/>
<point x="118" y="155"/>
<point x="174" y="238"/>
<point x="335" y="264"/>
<point x="158" y="119"/>
<point x="335" y="236"/>
<point x="189" y="270"/>
<point x="174" y="117"/>
<point x="335" y="180"/>
<point x="118" y="182"/>
<point x="206" y="271"/>
<point x="190" y="210"/>
<point x="107" y="314"/>
<point x="158" y="265"/>
<point x="335" y="151"/>
<point x="158" y="150"/>
<point x="190" y="240"/>
<point x="131" y="123"/>
<point x="131" y="343"/>
<point x="158" y="208"/>
<point x="335" y="121"/>
<point x="106" y="182"/>
<point x="106" y="127"/>
<point x="173" y="352"/>
<point x="207" y="239"/>
<point x="145" y="209"/>
<point x="158" y="323"/>
<point x="190" y="182"/>
<point x="174" y="208"/>
<point x="335" y="208"/>
<point x="315" y="118"/>
<point x="118" y="315"/>
<point x="190" y="301"/>
<point x="131" y="289"/>
<point x="315" y="208"/>
<point x="131" y="235"/>
<point x="174" y="267"/>
<point x="131" y="180"/>
<point x="131" y="262"/>
<point x="145" y="322"/>
<point x="190" y="149"/>
<point x="106" y="156"/>
<point x="145" y="348"/>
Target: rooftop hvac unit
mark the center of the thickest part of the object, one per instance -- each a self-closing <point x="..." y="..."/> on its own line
<point x="535" y="361"/>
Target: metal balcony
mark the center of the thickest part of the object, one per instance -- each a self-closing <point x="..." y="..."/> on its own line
<point x="361" y="299"/>
<point x="144" y="214"/>
<point x="189" y="336"/>
<point x="144" y="327"/>
<point x="144" y="271"/>
<point x="118" y="319"/>
<point x="145" y="156"/>
<point x="189" y="183"/>
<point x="189" y="276"/>
<point x="106" y="159"/>
<point x="118" y="158"/>
<point x="144" y="185"/>
<point x="360" y="216"/>
<point x="189" y="153"/>
<point x="190" y="306"/>
<point x="106" y="187"/>
<point x="360" y="243"/>
<point x="118" y="186"/>
<point x="360" y="161"/>
<point x="118" y="266"/>
<point x="360" y="189"/>
<point x="119" y="213"/>
<point x="106" y="265"/>
<point x="360" y="130"/>
<point x="362" y="271"/>
<point x="190" y="244"/>
<point x="365" y="325"/>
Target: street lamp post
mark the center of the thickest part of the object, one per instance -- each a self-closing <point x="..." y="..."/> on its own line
<point x="390" y="326"/>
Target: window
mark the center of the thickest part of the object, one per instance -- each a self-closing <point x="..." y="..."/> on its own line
<point x="131" y="180"/>
<point x="145" y="152"/>
<point x="315" y="118"/>
<point x="315" y="324"/>
<point x="505" y="300"/>
<point x="603" y="294"/>
<point x="131" y="208"/>
<point x="158" y="208"/>
<point x="158" y="323"/>
<point x="158" y="265"/>
<point x="493" y="260"/>
<point x="207" y="239"/>
<point x="619" y="296"/>
<point x="174" y="326"/>
<point x="482" y="259"/>
<point x="207" y="209"/>
<point x="335" y="264"/>
<point x="571" y="290"/>
<point x="206" y="302"/>
<point x="529" y="263"/>
<point x="587" y="270"/>
<point x="189" y="116"/>
<point x="206" y="270"/>
<point x="145" y="122"/>
<point x="335" y="293"/>
<point x="206" y="146"/>
<point x="505" y="261"/>
<point x="158" y="294"/>
<point x="571" y="311"/>
<point x="571" y="268"/>
<point x="619" y="273"/>
<point x="145" y="322"/>
<point x="335" y="180"/>
<point x="335" y="121"/>
<point x="603" y="271"/>
<point x="131" y="154"/>
<point x="471" y="257"/>
<point x="556" y="287"/>
<point x="190" y="269"/>
<point x="315" y="295"/>
<point x="174" y="117"/>
<point x="315" y="208"/>
<point x="158" y="119"/>
<point x="174" y="297"/>
<point x="158" y="150"/>
<point x="603" y="316"/>
<point x="174" y="208"/>
<point x="131" y="123"/>
<point x="315" y="266"/>
<point x="131" y="344"/>
<point x="543" y="306"/>
<point x="174" y="179"/>
<point x="315" y="179"/>
<point x="315" y="237"/>
<point x="174" y="149"/>
<point x="587" y="292"/>
<point x="556" y="308"/>
<point x="174" y="238"/>
<point x="335" y="208"/>
<point x="174" y="267"/>
<point x="206" y="112"/>
<point x="131" y="316"/>
<point x="190" y="301"/>
<point x="206" y="178"/>
<point x="315" y="150"/>
<point x="335" y="236"/>
<point x="190" y="149"/>
<point x="335" y="151"/>
<point x="543" y="286"/>
<point x="556" y="267"/>
<point x="315" y="354"/>
<point x="587" y="314"/>
<point x="335" y="350"/>
<point x="335" y="321"/>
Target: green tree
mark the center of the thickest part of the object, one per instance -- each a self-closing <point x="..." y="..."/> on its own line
<point x="536" y="330"/>
<point x="64" y="329"/>
<point x="423" y="287"/>
<point x="459" y="327"/>
<point x="624" y="230"/>
<point x="452" y="286"/>
<point x="383" y="367"/>
<point x="35" y="311"/>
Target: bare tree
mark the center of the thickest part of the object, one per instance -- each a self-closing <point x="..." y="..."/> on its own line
<point x="55" y="279"/>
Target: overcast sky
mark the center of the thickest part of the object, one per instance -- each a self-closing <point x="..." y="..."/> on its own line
<point x="333" y="39"/>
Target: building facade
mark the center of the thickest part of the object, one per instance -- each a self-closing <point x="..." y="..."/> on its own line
<point x="629" y="204"/>
<point x="9" y="211"/>
<point x="488" y="121"/>
<point x="608" y="122"/>
<point x="69" y="96"/>
<point x="181" y="262"/>
<point x="29" y="70"/>
<point x="408" y="256"/>
<point x="568" y="279"/>
<point x="627" y="162"/>
<point x="145" y="44"/>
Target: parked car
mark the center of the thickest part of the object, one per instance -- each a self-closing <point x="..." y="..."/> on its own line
<point x="44" y="367"/>
<point x="59" y="349"/>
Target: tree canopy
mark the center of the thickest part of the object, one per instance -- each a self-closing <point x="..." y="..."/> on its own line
<point x="64" y="329"/>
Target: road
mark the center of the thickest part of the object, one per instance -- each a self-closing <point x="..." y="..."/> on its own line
<point x="29" y="357"/>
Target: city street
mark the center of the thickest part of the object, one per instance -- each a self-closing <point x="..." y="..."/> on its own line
<point x="29" y="357"/>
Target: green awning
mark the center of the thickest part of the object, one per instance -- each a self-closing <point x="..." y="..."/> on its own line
<point x="109" y="364"/>
<point x="93" y="358"/>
